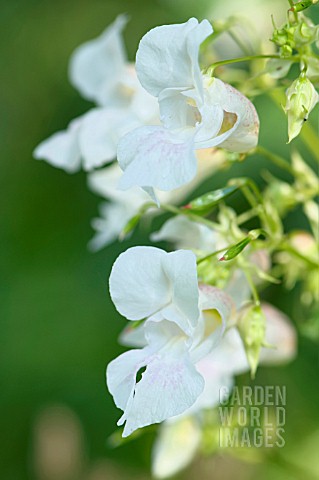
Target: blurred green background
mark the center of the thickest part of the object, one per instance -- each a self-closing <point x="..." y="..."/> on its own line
<point x="58" y="326"/>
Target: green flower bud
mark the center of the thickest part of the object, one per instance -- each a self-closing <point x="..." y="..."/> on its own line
<point x="286" y="51"/>
<point x="252" y="329"/>
<point x="301" y="99"/>
<point x="280" y="37"/>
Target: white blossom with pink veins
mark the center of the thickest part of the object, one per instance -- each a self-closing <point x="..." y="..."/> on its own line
<point x="174" y="449"/>
<point x="100" y="71"/>
<point x="183" y="324"/>
<point x="196" y="111"/>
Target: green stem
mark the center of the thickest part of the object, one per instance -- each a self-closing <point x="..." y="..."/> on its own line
<point x="237" y="40"/>
<point x="191" y="216"/>
<point x="276" y="159"/>
<point x="246" y="216"/>
<point x="252" y="286"/>
<point x="291" y="3"/>
<point x="295" y="58"/>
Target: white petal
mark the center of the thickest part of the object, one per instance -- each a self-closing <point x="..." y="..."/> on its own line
<point x="216" y="308"/>
<point x="133" y="336"/>
<point x="153" y="157"/>
<point x="176" y="111"/>
<point x="242" y="132"/>
<point x="168" y="56"/>
<point x="100" y="132"/>
<point x="280" y="333"/>
<point x="215" y="381"/>
<point x="185" y="233"/>
<point x="113" y="218"/>
<point x="180" y="268"/>
<point x="62" y="149"/>
<point x="138" y="284"/>
<point x="175" y="446"/>
<point x="121" y="375"/>
<point x="169" y="385"/>
<point x="96" y="66"/>
<point x="147" y="280"/>
<point x="238" y="288"/>
<point x="104" y="182"/>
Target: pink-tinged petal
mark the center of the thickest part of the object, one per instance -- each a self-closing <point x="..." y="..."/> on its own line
<point x="154" y="157"/>
<point x="62" y="149"/>
<point x="281" y="334"/>
<point x="240" y="128"/>
<point x="168" y="56"/>
<point x="168" y="387"/>
<point x="97" y="65"/>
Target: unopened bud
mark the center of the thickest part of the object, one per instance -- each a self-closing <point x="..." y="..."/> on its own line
<point x="301" y="99"/>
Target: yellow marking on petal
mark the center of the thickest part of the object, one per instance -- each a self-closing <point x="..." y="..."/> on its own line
<point x="229" y="121"/>
<point x="212" y="321"/>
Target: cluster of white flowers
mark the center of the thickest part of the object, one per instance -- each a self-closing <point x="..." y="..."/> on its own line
<point x="162" y="119"/>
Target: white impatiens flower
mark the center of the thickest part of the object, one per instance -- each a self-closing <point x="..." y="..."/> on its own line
<point x="90" y="141"/>
<point x="123" y="205"/>
<point x="179" y="438"/>
<point x="182" y="325"/>
<point x="185" y="233"/>
<point x="101" y="73"/>
<point x="197" y="111"/>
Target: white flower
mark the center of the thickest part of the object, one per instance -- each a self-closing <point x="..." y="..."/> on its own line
<point x="90" y="141"/>
<point x="185" y="233"/>
<point x="123" y="205"/>
<point x="176" y="445"/>
<point x="120" y="208"/>
<point x="197" y="111"/>
<point x="179" y="438"/>
<point x="101" y="73"/>
<point x="147" y="282"/>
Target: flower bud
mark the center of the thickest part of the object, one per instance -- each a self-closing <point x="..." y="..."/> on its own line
<point x="301" y="99"/>
<point x="252" y="329"/>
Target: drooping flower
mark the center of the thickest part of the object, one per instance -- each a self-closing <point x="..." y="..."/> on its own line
<point x="123" y="205"/>
<point x="179" y="438"/>
<point x="197" y="111"/>
<point x="182" y="325"/>
<point x="101" y="72"/>
<point x="90" y="141"/>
